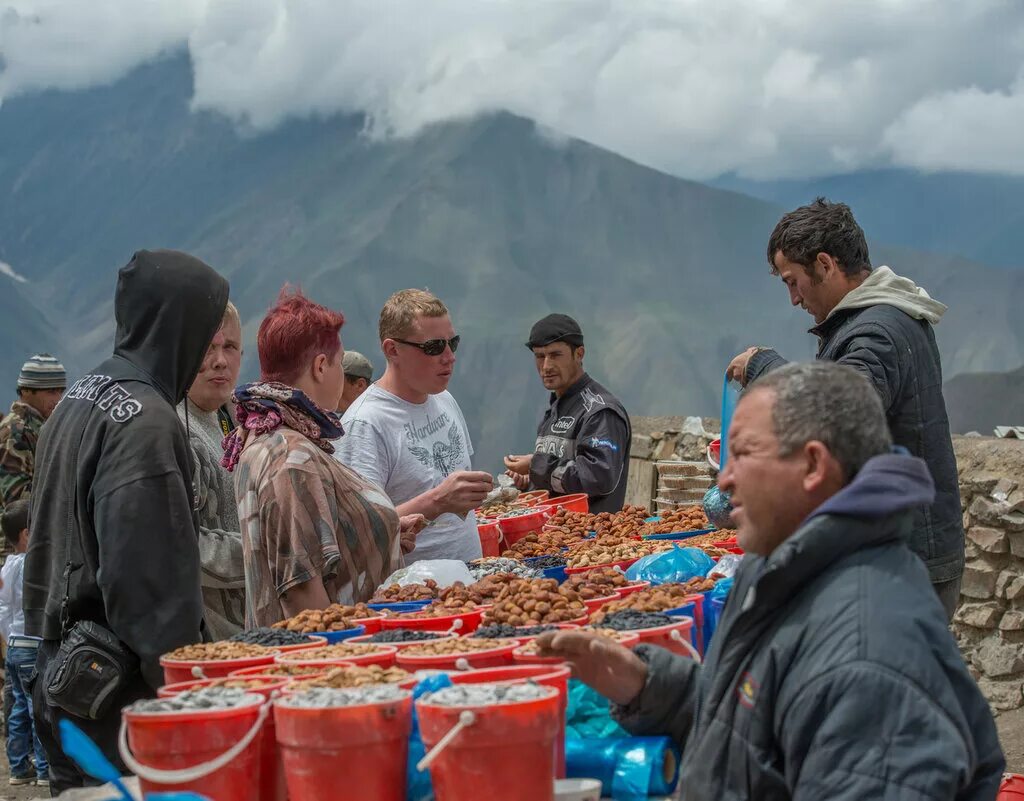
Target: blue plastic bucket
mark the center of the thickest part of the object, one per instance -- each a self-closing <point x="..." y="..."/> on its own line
<point x="338" y="636"/>
<point x="405" y="606"/>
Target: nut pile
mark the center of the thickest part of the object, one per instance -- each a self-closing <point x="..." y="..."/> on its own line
<point x="655" y="599"/>
<point x="404" y="635"/>
<point x="546" y="543"/>
<point x="687" y="518"/>
<point x="486" y="694"/>
<point x="290" y="670"/>
<point x="271" y="637"/>
<point x="495" y="510"/>
<point x="191" y="700"/>
<point x="336" y="617"/>
<point x="532" y="647"/>
<point x="527" y="603"/>
<point x="217" y="651"/>
<point x="344" y="677"/>
<point x="396" y="594"/>
<point x="340" y="650"/>
<point x="492" y="565"/>
<point x="517" y="511"/>
<point x="321" y="697"/>
<point x="631" y="620"/>
<point x="624" y="523"/>
<point x="455" y="645"/>
<point x="596" y="553"/>
<point x="599" y="583"/>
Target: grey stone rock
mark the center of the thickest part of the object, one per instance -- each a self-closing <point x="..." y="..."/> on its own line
<point x="979" y="580"/>
<point x="991" y="540"/>
<point x="997" y="659"/>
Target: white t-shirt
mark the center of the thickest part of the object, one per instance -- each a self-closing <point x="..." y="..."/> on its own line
<point x="408" y="449"/>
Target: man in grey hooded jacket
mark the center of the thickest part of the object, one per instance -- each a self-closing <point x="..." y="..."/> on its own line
<point x="882" y="325"/>
<point x="832" y="673"/>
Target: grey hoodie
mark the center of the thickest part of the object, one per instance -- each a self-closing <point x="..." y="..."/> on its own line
<point x="884" y="287"/>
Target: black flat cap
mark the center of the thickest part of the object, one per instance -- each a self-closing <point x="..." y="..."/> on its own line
<point x="555" y="328"/>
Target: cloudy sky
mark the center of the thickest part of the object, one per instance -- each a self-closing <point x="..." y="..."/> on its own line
<point x="763" y="88"/>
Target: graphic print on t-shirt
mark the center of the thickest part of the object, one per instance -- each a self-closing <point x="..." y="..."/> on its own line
<point x="441" y="456"/>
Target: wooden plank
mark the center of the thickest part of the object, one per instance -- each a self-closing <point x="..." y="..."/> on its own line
<point x="641" y="483"/>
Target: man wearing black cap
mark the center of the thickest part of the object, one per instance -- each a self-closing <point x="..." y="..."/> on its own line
<point x="583" y="440"/>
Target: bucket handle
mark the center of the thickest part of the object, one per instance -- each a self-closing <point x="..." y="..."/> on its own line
<point x="462" y="664"/>
<point x="196" y="772"/>
<point x="456" y="626"/>
<point x="198" y="673"/>
<point x="466" y="718"/>
<point x="679" y="638"/>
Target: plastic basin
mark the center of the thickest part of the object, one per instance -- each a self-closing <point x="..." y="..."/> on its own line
<point x="340" y="636"/>
<point x="577" y="502"/>
<point x="176" y="671"/>
<point x="470" y="622"/>
<point x="627" y="563"/>
<point x="490" y="539"/>
<point x="384" y="655"/>
<point x="400" y="645"/>
<point x="492" y="657"/>
<point x="514" y="529"/>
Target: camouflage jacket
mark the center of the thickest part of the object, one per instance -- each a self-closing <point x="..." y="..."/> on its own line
<point x="19" y="432"/>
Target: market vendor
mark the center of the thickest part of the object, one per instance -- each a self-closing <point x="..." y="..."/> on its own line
<point x="584" y="437"/>
<point x="884" y="326"/>
<point x="832" y="673"/>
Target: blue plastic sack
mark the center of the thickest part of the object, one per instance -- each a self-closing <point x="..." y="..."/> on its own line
<point x="679" y="564"/>
<point x="629" y="769"/>
<point x="418" y="784"/>
<point x="588" y="714"/>
<point x="730" y="397"/>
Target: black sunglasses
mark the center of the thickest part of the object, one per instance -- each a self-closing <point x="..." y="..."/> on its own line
<point x="434" y="347"/>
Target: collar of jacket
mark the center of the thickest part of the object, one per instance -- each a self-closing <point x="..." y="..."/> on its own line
<point x="826" y="327"/>
<point x="26" y="412"/>
<point x="575" y="389"/>
<point x="871" y="510"/>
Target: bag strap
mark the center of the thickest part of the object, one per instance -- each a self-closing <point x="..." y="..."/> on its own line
<point x="72" y="507"/>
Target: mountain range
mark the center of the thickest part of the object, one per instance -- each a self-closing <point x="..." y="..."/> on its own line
<point x="667" y="277"/>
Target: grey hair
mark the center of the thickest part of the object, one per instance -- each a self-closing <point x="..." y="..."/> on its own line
<point x="832" y="404"/>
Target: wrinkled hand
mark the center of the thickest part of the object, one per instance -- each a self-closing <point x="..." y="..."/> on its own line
<point x="521" y="482"/>
<point x="408" y="527"/>
<point x="615" y="672"/>
<point x="464" y="491"/>
<point x="737" y="370"/>
<point x="518" y="465"/>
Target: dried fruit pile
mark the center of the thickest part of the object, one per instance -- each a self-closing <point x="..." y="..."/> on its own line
<point x="687" y="518"/>
<point x="396" y="593"/>
<point x="217" y="651"/>
<point x="527" y="603"/>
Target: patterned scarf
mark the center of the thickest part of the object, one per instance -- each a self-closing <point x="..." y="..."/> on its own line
<point x="263" y="407"/>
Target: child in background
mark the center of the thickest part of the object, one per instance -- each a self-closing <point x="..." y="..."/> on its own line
<point x="21" y="654"/>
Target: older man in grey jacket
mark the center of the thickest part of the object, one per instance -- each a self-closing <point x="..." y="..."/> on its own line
<point x="832" y="673"/>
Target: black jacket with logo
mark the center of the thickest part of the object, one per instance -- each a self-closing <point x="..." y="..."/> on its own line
<point x="114" y="471"/>
<point x="583" y="446"/>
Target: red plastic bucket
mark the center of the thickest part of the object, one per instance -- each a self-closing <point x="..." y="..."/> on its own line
<point x="492" y="657"/>
<point x="508" y="753"/>
<point x="348" y="753"/>
<point x="490" y="539"/>
<point x="179" y="741"/>
<point x="577" y="502"/>
<point x="176" y="671"/>
<point x="264" y="672"/>
<point x="631" y="588"/>
<point x="514" y="529"/>
<point x="593" y="604"/>
<point x="667" y="639"/>
<point x="470" y="622"/>
<point x="371" y="624"/>
<point x="268" y="685"/>
<point x="556" y="676"/>
<point x="1012" y="787"/>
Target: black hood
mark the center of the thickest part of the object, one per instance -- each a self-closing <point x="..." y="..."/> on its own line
<point x="168" y="307"/>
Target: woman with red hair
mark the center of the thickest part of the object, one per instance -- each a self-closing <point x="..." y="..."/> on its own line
<point x="313" y="531"/>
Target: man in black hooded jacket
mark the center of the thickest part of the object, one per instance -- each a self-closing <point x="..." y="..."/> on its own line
<point x="114" y="531"/>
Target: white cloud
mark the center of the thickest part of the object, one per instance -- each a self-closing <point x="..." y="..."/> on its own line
<point x="8" y="270"/>
<point x="764" y="88"/>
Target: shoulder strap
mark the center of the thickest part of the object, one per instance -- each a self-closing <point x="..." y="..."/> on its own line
<point x="72" y="508"/>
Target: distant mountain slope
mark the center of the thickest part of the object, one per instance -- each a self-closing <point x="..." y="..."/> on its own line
<point x="667" y="277"/>
<point x="978" y="216"/>
<point x="981" y="401"/>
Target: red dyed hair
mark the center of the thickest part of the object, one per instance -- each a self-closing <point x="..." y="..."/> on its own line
<point x="295" y="331"/>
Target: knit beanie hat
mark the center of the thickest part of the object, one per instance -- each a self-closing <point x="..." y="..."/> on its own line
<point x="42" y="371"/>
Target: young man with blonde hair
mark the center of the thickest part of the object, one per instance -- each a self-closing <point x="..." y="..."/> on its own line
<point x="407" y="434"/>
<point x="207" y="415"/>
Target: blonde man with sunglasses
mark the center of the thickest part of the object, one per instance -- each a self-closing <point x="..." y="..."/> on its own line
<point x="407" y="434"/>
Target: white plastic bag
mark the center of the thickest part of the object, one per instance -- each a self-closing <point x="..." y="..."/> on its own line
<point x="444" y="571"/>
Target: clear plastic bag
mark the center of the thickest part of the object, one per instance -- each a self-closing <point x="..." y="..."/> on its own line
<point x="444" y="571"/>
<point x="726" y="566"/>
<point x="679" y="564"/>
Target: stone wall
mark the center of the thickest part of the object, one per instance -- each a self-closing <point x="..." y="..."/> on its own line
<point x="989" y="625"/>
